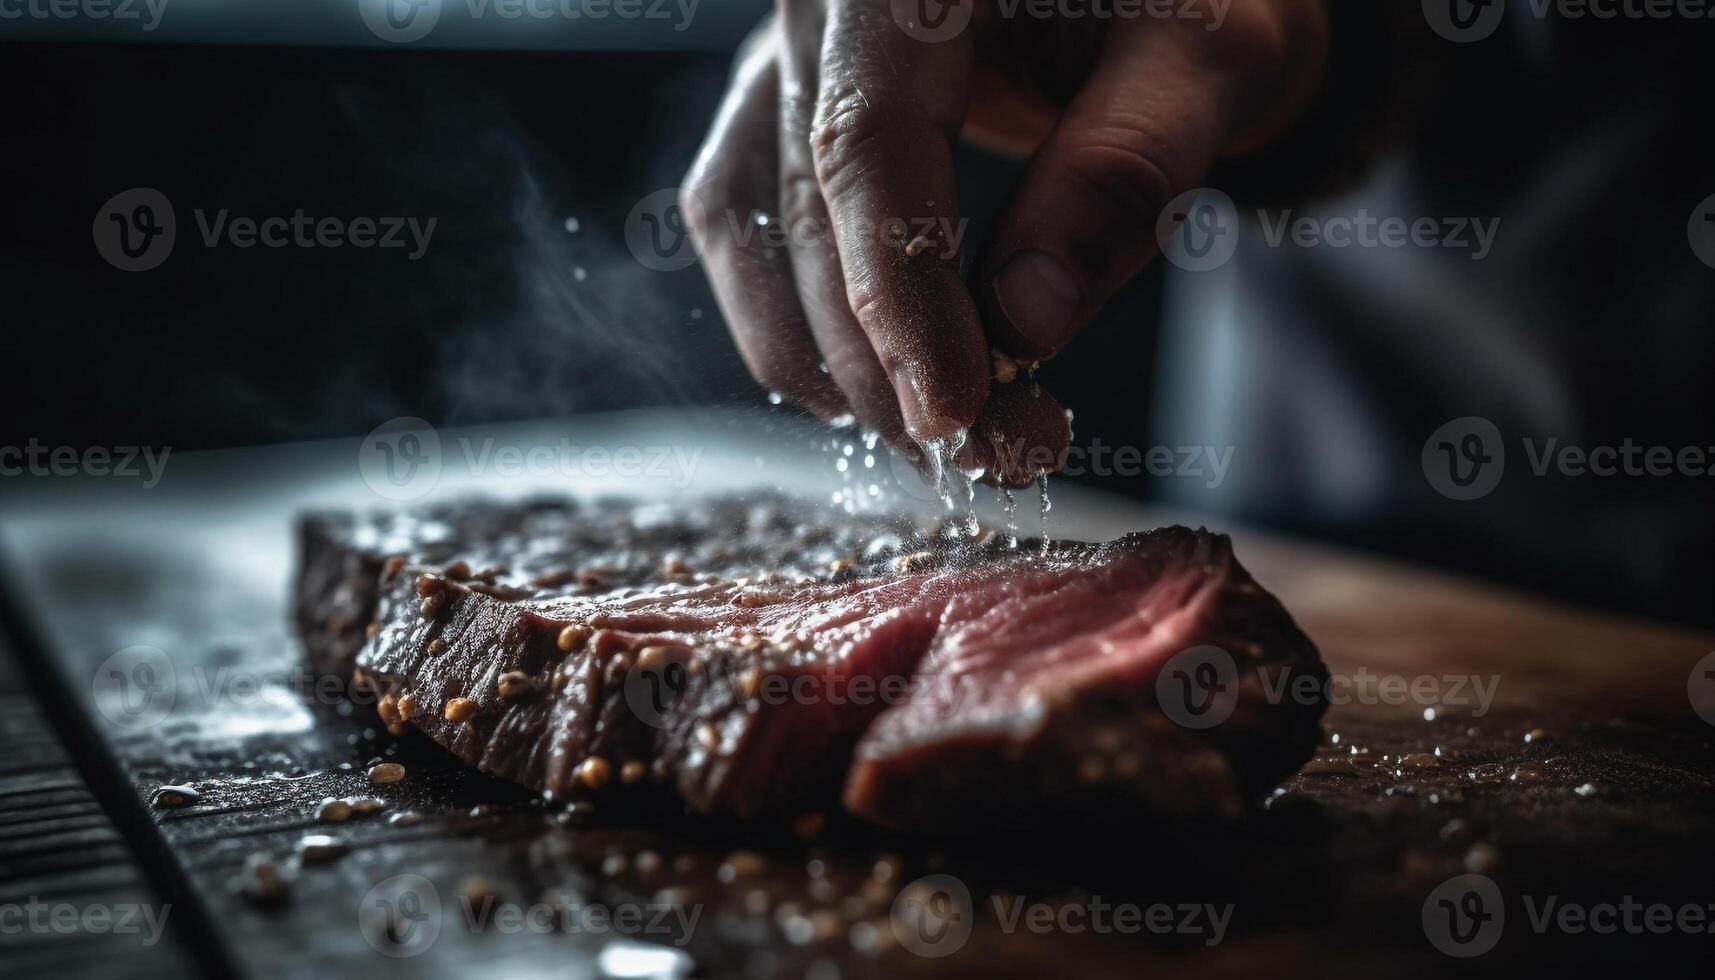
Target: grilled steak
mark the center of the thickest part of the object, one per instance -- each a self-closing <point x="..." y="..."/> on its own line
<point x="762" y="659"/>
<point x="1039" y="693"/>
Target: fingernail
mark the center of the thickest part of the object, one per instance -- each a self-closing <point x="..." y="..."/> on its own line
<point x="1040" y="298"/>
<point x="924" y="426"/>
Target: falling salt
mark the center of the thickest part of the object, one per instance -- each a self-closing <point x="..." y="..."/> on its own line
<point x="972" y="526"/>
<point x="851" y="495"/>
<point x="572" y="226"/>
<point x="939" y="457"/>
<point x="1044" y="505"/>
<point x="775" y="398"/>
<point x="860" y="492"/>
<point x="953" y="484"/>
<point x="1009" y="506"/>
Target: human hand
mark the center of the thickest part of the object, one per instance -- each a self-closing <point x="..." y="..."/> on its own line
<point x="825" y="207"/>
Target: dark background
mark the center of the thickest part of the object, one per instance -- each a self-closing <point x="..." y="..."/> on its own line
<point x="227" y="347"/>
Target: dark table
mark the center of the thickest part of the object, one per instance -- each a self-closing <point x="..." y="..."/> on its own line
<point x="1585" y="780"/>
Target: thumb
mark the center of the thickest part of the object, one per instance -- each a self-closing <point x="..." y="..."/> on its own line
<point x="1157" y="111"/>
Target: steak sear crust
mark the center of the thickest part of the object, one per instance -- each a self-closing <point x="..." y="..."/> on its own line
<point x="763" y="659"/>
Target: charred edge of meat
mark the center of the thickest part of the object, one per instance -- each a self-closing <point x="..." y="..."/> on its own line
<point x="575" y="734"/>
<point x="495" y="682"/>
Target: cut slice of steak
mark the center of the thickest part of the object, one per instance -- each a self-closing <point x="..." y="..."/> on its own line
<point x="1044" y="693"/>
<point x="736" y="656"/>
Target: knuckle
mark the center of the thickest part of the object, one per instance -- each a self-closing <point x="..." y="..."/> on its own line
<point x="846" y="129"/>
<point x="1126" y="168"/>
<point x="797" y="112"/>
<point x="868" y="308"/>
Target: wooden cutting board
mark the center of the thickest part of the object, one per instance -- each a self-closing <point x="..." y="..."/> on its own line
<point x="1584" y="773"/>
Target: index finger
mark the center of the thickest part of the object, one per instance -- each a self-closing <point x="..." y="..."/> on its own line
<point x="889" y="108"/>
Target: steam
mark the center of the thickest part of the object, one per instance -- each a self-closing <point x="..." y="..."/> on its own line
<point x="591" y="327"/>
<point x="518" y="312"/>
